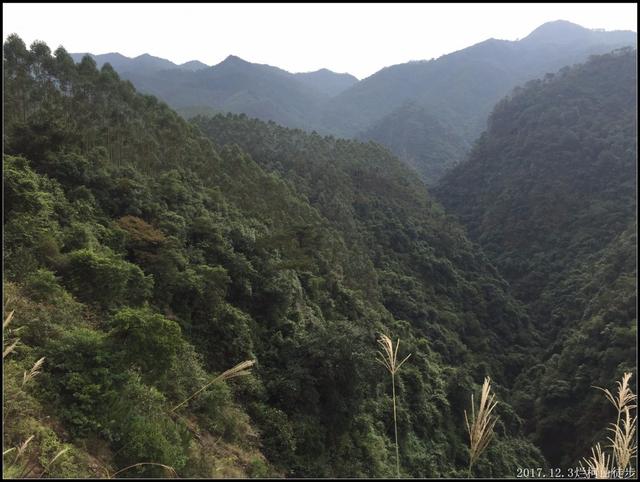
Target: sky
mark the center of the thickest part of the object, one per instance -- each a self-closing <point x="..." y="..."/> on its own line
<point x="356" y="38"/>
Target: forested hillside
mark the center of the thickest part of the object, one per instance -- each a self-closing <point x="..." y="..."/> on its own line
<point x="142" y="260"/>
<point x="428" y="113"/>
<point x="549" y="192"/>
<point x="458" y="90"/>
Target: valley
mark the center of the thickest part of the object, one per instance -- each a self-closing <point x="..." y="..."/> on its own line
<point x="200" y="262"/>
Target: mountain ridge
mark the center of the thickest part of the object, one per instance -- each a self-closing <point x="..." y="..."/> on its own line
<point x="456" y="90"/>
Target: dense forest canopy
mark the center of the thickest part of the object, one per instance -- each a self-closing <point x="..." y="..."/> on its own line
<point x="549" y="192"/>
<point x="142" y="259"/>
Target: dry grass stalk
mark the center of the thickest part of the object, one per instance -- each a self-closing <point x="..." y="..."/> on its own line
<point x="597" y="464"/>
<point x="10" y="348"/>
<point x="480" y="427"/>
<point x="239" y="370"/>
<point x="170" y="470"/>
<point x="59" y="454"/>
<point x="625" y="395"/>
<point x="21" y="448"/>
<point x="50" y="464"/>
<point x="7" y="320"/>
<point x="35" y="370"/>
<point x="623" y="442"/>
<point x="389" y="359"/>
<point x="5" y="323"/>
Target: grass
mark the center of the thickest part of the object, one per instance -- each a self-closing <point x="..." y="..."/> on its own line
<point x="10" y="348"/>
<point x="31" y="374"/>
<point x="239" y="370"/>
<point x="389" y="359"/>
<point x="168" y="469"/>
<point x="480" y="428"/>
<point x="623" y="442"/>
<point x="598" y="463"/>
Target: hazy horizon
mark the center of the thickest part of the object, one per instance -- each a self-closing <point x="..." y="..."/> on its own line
<point x="359" y="39"/>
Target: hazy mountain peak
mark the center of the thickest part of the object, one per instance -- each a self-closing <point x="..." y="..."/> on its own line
<point x="558" y="30"/>
<point x="327" y="81"/>
<point x="234" y="59"/>
<point x="153" y="62"/>
<point x="193" y="65"/>
<point x="565" y="32"/>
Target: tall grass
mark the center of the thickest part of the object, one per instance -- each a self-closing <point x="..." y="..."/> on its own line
<point x="480" y="428"/>
<point x="389" y="359"/>
<point x="623" y="443"/>
<point x="241" y="369"/>
<point x="11" y="347"/>
<point x="598" y="463"/>
<point x="167" y="468"/>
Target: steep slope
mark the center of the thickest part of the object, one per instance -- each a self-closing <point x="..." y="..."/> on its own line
<point x="599" y="340"/>
<point x="458" y="89"/>
<point x="141" y="261"/>
<point x="426" y="272"/>
<point x="347" y="182"/>
<point x="421" y="137"/>
<point x="549" y="191"/>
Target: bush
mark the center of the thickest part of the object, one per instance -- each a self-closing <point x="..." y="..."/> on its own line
<point x="145" y="433"/>
<point x="105" y="280"/>
<point x="145" y="339"/>
<point x="79" y="378"/>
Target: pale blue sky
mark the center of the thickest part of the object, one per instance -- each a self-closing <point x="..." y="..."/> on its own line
<point x="355" y="38"/>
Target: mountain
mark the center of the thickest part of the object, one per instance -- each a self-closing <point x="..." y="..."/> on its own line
<point x="144" y="63"/>
<point x="193" y="65"/>
<point x="145" y="256"/>
<point x="421" y="138"/>
<point x="561" y="32"/>
<point x="327" y="82"/>
<point x="458" y="90"/>
<point x="235" y="85"/>
<point x="549" y="192"/>
<point x="448" y="99"/>
<point x="121" y="63"/>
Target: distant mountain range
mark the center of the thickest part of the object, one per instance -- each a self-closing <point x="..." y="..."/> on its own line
<point x="141" y="63"/>
<point x="427" y="112"/>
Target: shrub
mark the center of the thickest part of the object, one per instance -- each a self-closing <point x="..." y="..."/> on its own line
<point x="43" y="286"/>
<point x="105" y="280"/>
<point x="145" y="339"/>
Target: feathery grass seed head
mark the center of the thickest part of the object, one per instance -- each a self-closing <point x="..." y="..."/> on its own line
<point x="597" y="464"/>
<point x="35" y="370"/>
<point x="388" y="357"/>
<point x="623" y="442"/>
<point x="481" y="425"/>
